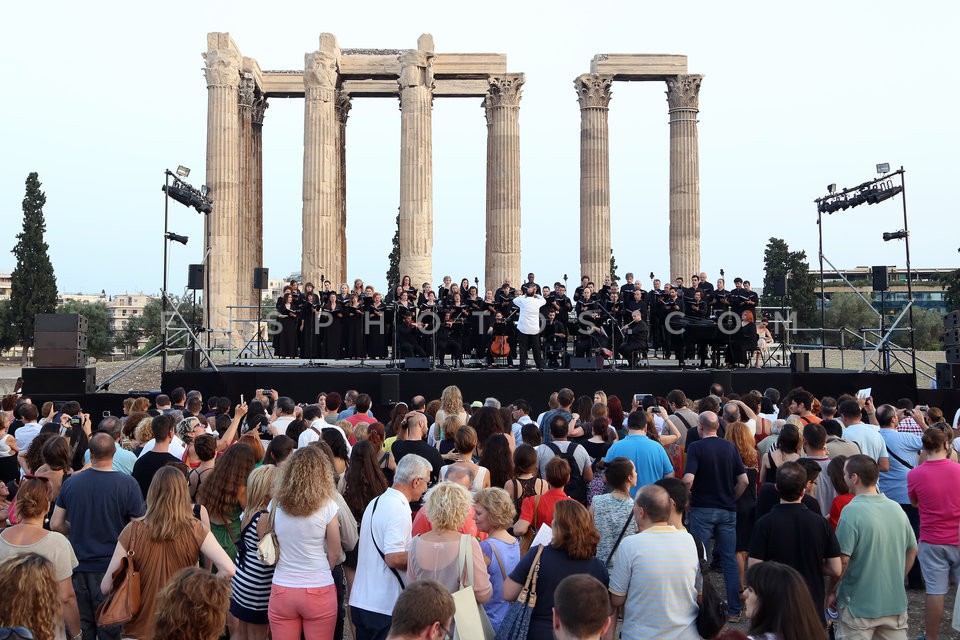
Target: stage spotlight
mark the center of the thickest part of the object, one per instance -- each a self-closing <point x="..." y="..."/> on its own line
<point x="183" y="171"/>
<point x="883" y="167"/>
<point x="188" y="196"/>
<point x="170" y="235"/>
<point x="894" y="235"/>
<point x="831" y="187"/>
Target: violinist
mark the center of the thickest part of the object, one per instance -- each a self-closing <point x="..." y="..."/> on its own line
<point x="528" y="326"/>
<point x="636" y="339"/>
<point x="448" y="341"/>
<point x="408" y="338"/>
<point x="500" y="335"/>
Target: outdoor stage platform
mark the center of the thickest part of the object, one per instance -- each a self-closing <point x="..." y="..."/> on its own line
<point x="386" y="386"/>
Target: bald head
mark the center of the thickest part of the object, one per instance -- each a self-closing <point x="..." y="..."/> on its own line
<point x="709" y="422"/>
<point x="101" y="447"/>
<point x="654" y="503"/>
<point x="460" y="474"/>
<point x="731" y="412"/>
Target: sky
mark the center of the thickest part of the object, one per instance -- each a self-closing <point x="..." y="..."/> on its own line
<point x="101" y="97"/>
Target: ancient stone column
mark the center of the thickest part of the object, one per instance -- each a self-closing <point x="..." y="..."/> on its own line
<point x="243" y="251"/>
<point x="222" y="72"/>
<point x="502" y="108"/>
<point x="682" y="97"/>
<point x="416" y="162"/>
<point x="321" y="163"/>
<point x="256" y="249"/>
<point x="593" y="93"/>
<point x="343" y="112"/>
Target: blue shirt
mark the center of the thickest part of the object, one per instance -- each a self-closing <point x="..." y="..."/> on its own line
<point x="893" y="483"/>
<point x="649" y="458"/>
<point x="123" y="460"/>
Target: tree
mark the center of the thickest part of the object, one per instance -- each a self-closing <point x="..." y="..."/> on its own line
<point x="34" y="286"/>
<point x="614" y="278"/>
<point x="393" y="270"/>
<point x="99" y="338"/>
<point x="8" y="337"/>
<point x="778" y="260"/>
<point x="848" y="311"/>
<point x="950" y="283"/>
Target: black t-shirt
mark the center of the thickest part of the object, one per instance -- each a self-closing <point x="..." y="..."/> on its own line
<point x="401" y="448"/>
<point x="147" y="466"/>
<point x="799" y="538"/>
<point x="596" y="450"/>
<point x="715" y="464"/>
<point x="769" y="497"/>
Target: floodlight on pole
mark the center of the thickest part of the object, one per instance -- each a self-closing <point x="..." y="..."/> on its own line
<point x="170" y="235"/>
<point x="183" y="171"/>
<point x="883" y="167"/>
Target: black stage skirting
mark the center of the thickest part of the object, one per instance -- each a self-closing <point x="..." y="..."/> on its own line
<point x="387" y="386"/>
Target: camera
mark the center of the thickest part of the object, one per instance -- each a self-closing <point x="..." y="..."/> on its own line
<point x="76" y="421"/>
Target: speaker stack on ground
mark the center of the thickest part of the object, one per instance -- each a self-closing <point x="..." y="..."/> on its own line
<point x="948" y="373"/>
<point x="59" y="356"/>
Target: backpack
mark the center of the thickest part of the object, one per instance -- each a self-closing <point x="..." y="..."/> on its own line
<point x="576" y="487"/>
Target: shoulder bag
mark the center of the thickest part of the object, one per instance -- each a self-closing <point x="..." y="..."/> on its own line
<point x="124" y="600"/>
<point x="516" y="622"/>
<point x="469" y="615"/>
<point x="626" y="525"/>
<point x="712" y="615"/>
<point x="527" y="538"/>
<point x="268" y="549"/>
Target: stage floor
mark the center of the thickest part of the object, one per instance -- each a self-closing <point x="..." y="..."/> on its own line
<point x="387" y="386"/>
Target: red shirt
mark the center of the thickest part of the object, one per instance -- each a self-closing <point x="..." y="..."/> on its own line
<point x="838" y="504"/>
<point x="544" y="508"/>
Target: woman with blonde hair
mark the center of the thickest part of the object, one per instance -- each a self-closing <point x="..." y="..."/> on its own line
<point x="741" y="436"/>
<point x="303" y="597"/>
<point x="251" y="582"/>
<point x="168" y="539"/>
<point x="30" y="597"/>
<point x="494" y="513"/>
<point x="192" y="605"/>
<point x="435" y="555"/>
<point x="571" y="551"/>
<point x="451" y="404"/>
<point x="600" y="397"/>
<point x="465" y="443"/>
<point x="29" y="536"/>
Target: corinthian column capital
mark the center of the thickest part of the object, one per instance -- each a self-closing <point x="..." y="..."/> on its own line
<point x="683" y="92"/>
<point x="222" y="68"/>
<point x="593" y="90"/>
<point x="343" y="106"/>
<point x="320" y="75"/>
<point x="259" y="107"/>
<point x="248" y="90"/>
<point x="504" y="91"/>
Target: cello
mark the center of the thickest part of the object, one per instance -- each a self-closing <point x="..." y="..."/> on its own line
<point x="500" y="345"/>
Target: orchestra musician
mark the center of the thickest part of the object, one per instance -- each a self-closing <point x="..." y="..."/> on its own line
<point x="636" y="339"/>
<point x="408" y="339"/>
<point x="743" y="341"/>
<point x="555" y="340"/>
<point x="448" y="342"/>
<point x="500" y="340"/>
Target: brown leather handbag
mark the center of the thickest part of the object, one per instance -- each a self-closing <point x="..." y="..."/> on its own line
<point x="123" y="603"/>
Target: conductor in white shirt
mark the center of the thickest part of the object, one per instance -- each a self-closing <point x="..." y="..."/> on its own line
<point x="528" y="326"/>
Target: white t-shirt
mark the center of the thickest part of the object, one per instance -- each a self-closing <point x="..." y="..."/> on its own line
<point x="281" y="423"/>
<point x="177" y="448"/>
<point x="309" y="435"/>
<point x="25" y="435"/>
<point x="387" y="521"/>
<point x="303" y="548"/>
<point x="529" y="322"/>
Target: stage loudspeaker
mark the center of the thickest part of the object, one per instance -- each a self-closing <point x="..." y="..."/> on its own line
<point x="953" y="354"/>
<point x="592" y="363"/>
<point x="951" y="321"/>
<point x="951" y="338"/>
<point x="880" y="279"/>
<point x="416" y="364"/>
<point x="60" y="381"/>
<point x="191" y="359"/>
<point x="389" y="388"/>
<point x="46" y="358"/>
<point x="195" y="277"/>
<point x="948" y="375"/>
<point x="261" y="278"/>
<point x="799" y="362"/>
<point x="779" y="286"/>
<point x="59" y="340"/>
<point x="60" y="322"/>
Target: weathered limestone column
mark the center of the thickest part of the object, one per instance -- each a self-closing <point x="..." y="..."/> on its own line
<point x="343" y="112"/>
<point x="259" y="107"/>
<point x="416" y="162"/>
<point x="321" y="163"/>
<point x="222" y="60"/>
<point x="243" y="255"/>
<point x="502" y="108"/>
<point x="682" y="97"/>
<point x="593" y="93"/>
